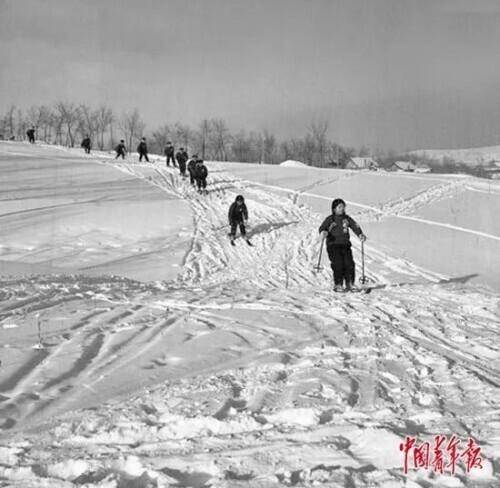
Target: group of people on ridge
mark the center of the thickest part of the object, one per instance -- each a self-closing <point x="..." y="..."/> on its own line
<point x="196" y="168"/>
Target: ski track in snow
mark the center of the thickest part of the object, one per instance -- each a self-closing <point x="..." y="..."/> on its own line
<point x="253" y="374"/>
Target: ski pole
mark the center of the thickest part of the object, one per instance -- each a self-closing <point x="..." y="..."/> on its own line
<point x="363" y="277"/>
<point x="317" y="268"/>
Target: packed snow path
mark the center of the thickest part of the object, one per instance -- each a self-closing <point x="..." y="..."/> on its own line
<point x="251" y="372"/>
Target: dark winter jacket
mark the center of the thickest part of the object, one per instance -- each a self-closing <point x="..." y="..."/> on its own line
<point x="237" y="213"/>
<point x="30" y="133"/>
<point x="181" y="157"/>
<point x="200" y="171"/>
<point x="120" y="148"/>
<point x="169" y="150"/>
<point x="86" y="142"/>
<point x="338" y="229"/>
<point x="142" y="148"/>
<point x="192" y="166"/>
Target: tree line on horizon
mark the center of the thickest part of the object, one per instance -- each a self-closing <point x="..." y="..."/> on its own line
<point x="66" y="124"/>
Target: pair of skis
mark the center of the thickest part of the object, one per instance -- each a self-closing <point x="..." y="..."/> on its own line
<point x="363" y="280"/>
<point x="246" y="240"/>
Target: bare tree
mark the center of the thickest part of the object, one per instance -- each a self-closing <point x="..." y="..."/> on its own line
<point x="240" y="147"/>
<point x="203" y="137"/>
<point x="317" y="133"/>
<point x="87" y="122"/>
<point x="21" y="125"/>
<point x="269" y="148"/>
<point x="104" y="121"/>
<point x="132" y="126"/>
<point x="220" y="139"/>
<point x="183" y="135"/>
<point x="161" y="136"/>
<point x="8" y="122"/>
<point x="68" y="118"/>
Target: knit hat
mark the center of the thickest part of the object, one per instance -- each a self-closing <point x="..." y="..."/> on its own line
<point x="240" y="198"/>
<point x="336" y="203"/>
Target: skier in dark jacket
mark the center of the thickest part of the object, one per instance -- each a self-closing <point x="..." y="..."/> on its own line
<point x="31" y="135"/>
<point x="191" y="166"/>
<point x="238" y="216"/>
<point x="87" y="144"/>
<point x="182" y="158"/>
<point x="142" y="149"/>
<point x="120" y="149"/>
<point x="169" y="153"/>
<point x="335" y="229"/>
<point x="200" y="175"/>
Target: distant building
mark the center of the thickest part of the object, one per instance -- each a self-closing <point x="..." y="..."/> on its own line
<point x="407" y="166"/>
<point x="362" y="163"/>
<point x="493" y="172"/>
<point x="422" y="169"/>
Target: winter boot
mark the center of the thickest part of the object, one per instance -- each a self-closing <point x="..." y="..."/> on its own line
<point x="352" y="288"/>
<point x="338" y="289"/>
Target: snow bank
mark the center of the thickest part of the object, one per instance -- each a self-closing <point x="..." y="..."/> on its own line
<point x="290" y="163"/>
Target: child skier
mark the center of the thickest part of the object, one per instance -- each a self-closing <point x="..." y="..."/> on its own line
<point x="191" y="166"/>
<point x="142" y="149"/>
<point x="120" y="149"/>
<point x="182" y="158"/>
<point x="169" y="153"/>
<point x="238" y="216"/>
<point x="87" y="144"/>
<point x="200" y="175"/>
<point x="335" y="229"/>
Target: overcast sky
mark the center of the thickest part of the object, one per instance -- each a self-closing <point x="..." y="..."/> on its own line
<point x="385" y="73"/>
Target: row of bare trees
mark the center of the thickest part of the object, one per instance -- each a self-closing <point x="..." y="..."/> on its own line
<point x="68" y="123"/>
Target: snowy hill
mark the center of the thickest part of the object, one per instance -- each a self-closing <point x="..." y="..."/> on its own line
<point x="240" y="368"/>
<point x="473" y="156"/>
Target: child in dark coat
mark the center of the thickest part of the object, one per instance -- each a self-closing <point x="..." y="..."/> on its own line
<point x="237" y="216"/>
<point x="335" y="229"/>
<point x="200" y="175"/>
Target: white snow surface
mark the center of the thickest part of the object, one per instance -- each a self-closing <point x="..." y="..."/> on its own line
<point x="291" y="163"/>
<point x="238" y="367"/>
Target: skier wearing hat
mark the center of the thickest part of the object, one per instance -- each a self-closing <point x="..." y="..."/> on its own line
<point x="335" y="229"/>
<point x="31" y="135"/>
<point x="238" y="216"/>
<point x="200" y="175"/>
<point x="191" y="165"/>
<point x="142" y="149"/>
<point x="87" y="144"/>
<point x="120" y="149"/>
<point x="182" y="158"/>
<point x="169" y="153"/>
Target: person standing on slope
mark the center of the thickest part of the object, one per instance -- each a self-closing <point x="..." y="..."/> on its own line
<point x="87" y="144"/>
<point x="120" y="149"/>
<point x="142" y="149"/>
<point x="200" y="174"/>
<point x="181" y="157"/>
<point x="169" y="153"/>
<point x="31" y="135"/>
<point x="191" y="166"/>
<point x="238" y="216"/>
<point x="335" y="228"/>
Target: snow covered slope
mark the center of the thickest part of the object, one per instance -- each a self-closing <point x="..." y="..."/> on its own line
<point x="245" y="370"/>
<point x="62" y="210"/>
